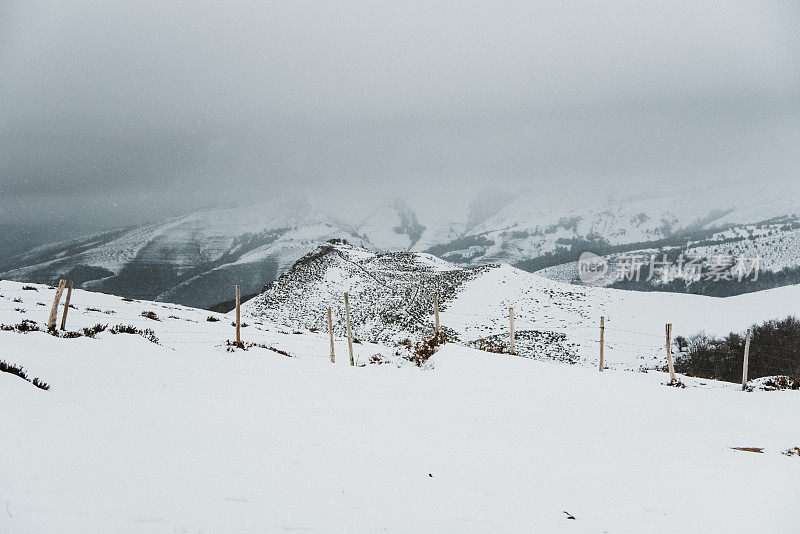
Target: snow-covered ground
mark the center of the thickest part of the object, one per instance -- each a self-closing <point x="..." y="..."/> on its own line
<point x="184" y="436"/>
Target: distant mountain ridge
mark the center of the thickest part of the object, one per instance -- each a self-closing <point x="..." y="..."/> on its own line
<point x="196" y="259"/>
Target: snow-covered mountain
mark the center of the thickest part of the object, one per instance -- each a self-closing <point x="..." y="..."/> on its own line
<point x="538" y="230"/>
<point x="769" y="253"/>
<point x="195" y="259"/>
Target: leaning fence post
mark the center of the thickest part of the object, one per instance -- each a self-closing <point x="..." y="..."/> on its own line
<point x="602" y="335"/>
<point x="349" y="329"/>
<point x="330" y="329"/>
<point x="746" y="360"/>
<point x="511" y="330"/>
<point x="51" y="321"/>
<point x="66" y="306"/>
<point x="669" y="353"/>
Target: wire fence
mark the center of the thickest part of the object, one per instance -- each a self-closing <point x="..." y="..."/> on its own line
<point x="465" y="321"/>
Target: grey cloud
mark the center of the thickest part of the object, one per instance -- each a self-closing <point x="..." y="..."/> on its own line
<point x="143" y="109"/>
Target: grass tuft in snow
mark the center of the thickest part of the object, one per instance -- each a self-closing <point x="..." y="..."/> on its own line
<point x="13" y="369"/>
<point x="41" y="384"/>
<point x="146" y="333"/>
<point x="17" y="370"/>
<point x="231" y="346"/>
<point x="93" y="331"/>
<point x="25" y="326"/>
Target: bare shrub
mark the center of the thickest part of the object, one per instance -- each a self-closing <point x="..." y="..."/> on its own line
<point x="93" y="331"/>
<point x="146" y="333"/>
<point x="418" y="353"/>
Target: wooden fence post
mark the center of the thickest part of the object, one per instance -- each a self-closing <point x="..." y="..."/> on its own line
<point x="330" y="329"/>
<point x="436" y="312"/>
<point x="238" y="317"/>
<point x="66" y="306"/>
<point x="669" y="353"/>
<point x="51" y="321"/>
<point x="349" y="328"/>
<point x="511" y="330"/>
<point x="746" y="360"/>
<point x="602" y="336"/>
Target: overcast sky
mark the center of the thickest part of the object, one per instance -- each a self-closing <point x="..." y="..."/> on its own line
<point x="131" y="111"/>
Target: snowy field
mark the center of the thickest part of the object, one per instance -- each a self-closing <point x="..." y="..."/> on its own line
<point x="184" y="436"/>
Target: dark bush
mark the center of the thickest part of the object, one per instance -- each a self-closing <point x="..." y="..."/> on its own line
<point x="13" y="369"/>
<point x="71" y="334"/>
<point x="41" y="384"/>
<point x="146" y="333"/>
<point x="774" y="350"/>
<point x="150" y="315"/>
<point x="17" y="370"/>
<point x="418" y="353"/>
<point x="93" y="331"/>
<point x="25" y="326"/>
<point x="231" y="346"/>
<point x="782" y="382"/>
<point x="378" y="359"/>
<point x="212" y="319"/>
<point x="124" y="329"/>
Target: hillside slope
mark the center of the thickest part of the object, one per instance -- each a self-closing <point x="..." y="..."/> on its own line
<point x="391" y="299"/>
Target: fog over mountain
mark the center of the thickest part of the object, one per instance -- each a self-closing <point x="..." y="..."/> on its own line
<point x="124" y="113"/>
